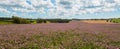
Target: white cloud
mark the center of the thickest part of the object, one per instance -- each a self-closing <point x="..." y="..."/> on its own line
<point x="117" y="1"/>
<point x="85" y="6"/>
<point x="23" y="10"/>
<point x="61" y="9"/>
<point x="108" y="10"/>
<point x="97" y="2"/>
<point x="2" y="10"/>
<point x="41" y="3"/>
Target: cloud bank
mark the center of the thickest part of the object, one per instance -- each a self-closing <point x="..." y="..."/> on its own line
<point x="57" y="8"/>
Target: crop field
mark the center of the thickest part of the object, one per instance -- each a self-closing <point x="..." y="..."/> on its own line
<point x="72" y="35"/>
<point x="97" y="21"/>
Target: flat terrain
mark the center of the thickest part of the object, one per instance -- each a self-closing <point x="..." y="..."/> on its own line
<point x="60" y="35"/>
<point x="97" y="21"/>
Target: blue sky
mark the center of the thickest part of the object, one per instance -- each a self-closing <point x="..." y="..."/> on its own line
<point x="65" y="9"/>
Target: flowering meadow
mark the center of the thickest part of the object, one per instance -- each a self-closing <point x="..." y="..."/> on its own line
<point x="73" y="35"/>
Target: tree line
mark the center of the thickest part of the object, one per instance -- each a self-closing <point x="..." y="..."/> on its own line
<point x="114" y="20"/>
<point x="19" y="20"/>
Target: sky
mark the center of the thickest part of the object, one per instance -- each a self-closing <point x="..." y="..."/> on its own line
<point x="64" y="9"/>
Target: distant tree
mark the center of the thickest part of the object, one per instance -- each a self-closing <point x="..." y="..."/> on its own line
<point x="52" y="20"/>
<point x="115" y="20"/>
<point x="19" y="20"/>
<point x="40" y="21"/>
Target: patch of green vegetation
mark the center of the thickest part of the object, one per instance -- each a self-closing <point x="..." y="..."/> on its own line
<point x="116" y="43"/>
<point x="115" y="20"/>
<point x="6" y="22"/>
<point x="53" y="20"/>
<point x="19" y="20"/>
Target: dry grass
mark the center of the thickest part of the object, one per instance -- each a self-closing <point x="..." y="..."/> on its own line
<point x="97" y="21"/>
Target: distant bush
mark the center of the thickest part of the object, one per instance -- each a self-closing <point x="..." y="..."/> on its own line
<point x="115" y="20"/>
<point x="58" y="20"/>
<point x="19" y="20"/>
<point x="53" y="20"/>
<point x="41" y="21"/>
<point x="33" y="22"/>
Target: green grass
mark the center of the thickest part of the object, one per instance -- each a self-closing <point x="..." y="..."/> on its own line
<point x="5" y="22"/>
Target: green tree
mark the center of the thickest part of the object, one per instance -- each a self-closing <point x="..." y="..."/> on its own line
<point x="19" y="20"/>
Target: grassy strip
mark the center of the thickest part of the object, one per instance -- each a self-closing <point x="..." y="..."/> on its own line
<point x="5" y="22"/>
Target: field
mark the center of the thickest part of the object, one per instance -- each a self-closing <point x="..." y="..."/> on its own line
<point x="5" y="22"/>
<point x="73" y="35"/>
<point x="97" y="21"/>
